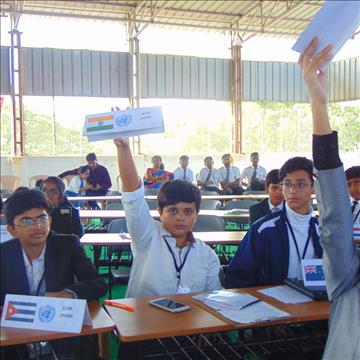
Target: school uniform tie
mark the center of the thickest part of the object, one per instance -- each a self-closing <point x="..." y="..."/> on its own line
<point x="208" y="175"/>
<point x="81" y="183"/>
<point x="353" y="206"/>
<point x="253" y="176"/>
<point x="227" y="175"/>
<point x="184" y="178"/>
<point x="275" y="209"/>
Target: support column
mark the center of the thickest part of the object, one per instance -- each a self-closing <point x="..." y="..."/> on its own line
<point x="236" y="99"/>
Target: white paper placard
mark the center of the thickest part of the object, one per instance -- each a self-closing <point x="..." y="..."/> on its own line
<point x="126" y="123"/>
<point x="313" y="273"/>
<point x="45" y="313"/>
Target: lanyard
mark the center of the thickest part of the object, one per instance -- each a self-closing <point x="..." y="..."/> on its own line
<point x="182" y="263"/>
<point x="40" y="284"/>
<point x="356" y="216"/>
<point x="295" y="242"/>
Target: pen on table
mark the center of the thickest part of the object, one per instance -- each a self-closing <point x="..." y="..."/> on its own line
<point x="250" y="303"/>
<point x="119" y="305"/>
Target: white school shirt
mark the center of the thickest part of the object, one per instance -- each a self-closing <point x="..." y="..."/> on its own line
<point x="233" y="174"/>
<point x="248" y="172"/>
<point x="153" y="271"/>
<point x="74" y="185"/>
<point x="279" y="207"/>
<point x="35" y="271"/>
<point x="300" y="226"/>
<point x="215" y="176"/>
<point x="179" y="174"/>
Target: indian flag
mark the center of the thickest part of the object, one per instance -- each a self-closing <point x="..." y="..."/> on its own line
<point x="100" y="123"/>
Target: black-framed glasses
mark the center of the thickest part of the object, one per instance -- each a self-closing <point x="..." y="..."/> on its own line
<point x="28" y="223"/>
<point x="51" y="192"/>
<point x="298" y="185"/>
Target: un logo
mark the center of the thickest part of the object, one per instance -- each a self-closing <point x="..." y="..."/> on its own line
<point x="46" y="313"/>
<point x="123" y="120"/>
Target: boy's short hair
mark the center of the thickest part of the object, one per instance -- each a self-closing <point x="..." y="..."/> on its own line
<point x="255" y="153"/>
<point x="83" y="169"/>
<point x="297" y="163"/>
<point x="225" y="155"/>
<point x="272" y="177"/>
<point x="184" y="158"/>
<point x="176" y="191"/>
<point x="208" y="158"/>
<point x="91" y="157"/>
<point x="58" y="183"/>
<point x="352" y="173"/>
<point x="25" y="200"/>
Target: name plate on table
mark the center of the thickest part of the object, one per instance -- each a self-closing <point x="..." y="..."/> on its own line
<point x="126" y="123"/>
<point x="45" y="313"/>
<point x="313" y="273"/>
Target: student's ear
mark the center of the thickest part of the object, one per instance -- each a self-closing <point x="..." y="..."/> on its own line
<point x="12" y="230"/>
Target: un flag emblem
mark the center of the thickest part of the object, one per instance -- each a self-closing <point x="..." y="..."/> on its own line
<point x="123" y="120"/>
<point x="46" y="313"/>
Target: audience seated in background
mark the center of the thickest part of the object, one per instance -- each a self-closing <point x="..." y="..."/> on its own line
<point x="253" y="172"/>
<point x="99" y="179"/>
<point x="156" y="175"/>
<point x="230" y="177"/>
<point x="183" y="172"/>
<point x="273" y="203"/>
<point x="167" y="257"/>
<point x="274" y="246"/>
<point x="40" y="262"/>
<point x="341" y="261"/>
<point x="209" y="177"/>
<point x="353" y="182"/>
<point x="65" y="217"/>
<point x="78" y="185"/>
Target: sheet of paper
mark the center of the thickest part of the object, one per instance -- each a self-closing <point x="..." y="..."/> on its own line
<point x="285" y="294"/>
<point x="221" y="298"/>
<point x="126" y="123"/>
<point x="334" y="24"/>
<point x="260" y="311"/>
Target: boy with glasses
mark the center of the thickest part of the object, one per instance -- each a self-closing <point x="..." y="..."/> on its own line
<point x="274" y="246"/>
<point x="43" y="263"/>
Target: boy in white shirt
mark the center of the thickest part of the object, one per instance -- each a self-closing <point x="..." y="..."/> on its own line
<point x="230" y="177"/>
<point x="167" y="257"/>
<point x="183" y="172"/>
<point x="209" y="177"/>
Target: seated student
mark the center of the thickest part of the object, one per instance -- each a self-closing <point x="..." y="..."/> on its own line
<point x="65" y="217"/>
<point x="273" y="203"/>
<point x="183" y="172"/>
<point x="167" y="257"/>
<point x="230" y="177"/>
<point x="352" y="175"/>
<point x="341" y="262"/>
<point x="40" y="262"/>
<point x="78" y="185"/>
<point x="156" y="175"/>
<point x="274" y="246"/>
<point x="253" y="172"/>
<point x="209" y="177"/>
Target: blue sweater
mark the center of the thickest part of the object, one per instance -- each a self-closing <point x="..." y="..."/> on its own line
<point x="263" y="256"/>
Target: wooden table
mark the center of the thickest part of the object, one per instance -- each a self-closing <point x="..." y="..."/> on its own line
<point x="102" y="323"/>
<point x="210" y="238"/>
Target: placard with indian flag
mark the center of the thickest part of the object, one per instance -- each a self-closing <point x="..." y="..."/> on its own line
<point x="126" y="123"/>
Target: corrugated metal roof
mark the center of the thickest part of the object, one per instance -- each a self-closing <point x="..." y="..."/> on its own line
<point x="63" y="72"/>
<point x="249" y="17"/>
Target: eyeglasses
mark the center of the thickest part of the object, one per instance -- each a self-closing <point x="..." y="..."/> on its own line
<point x="27" y="223"/>
<point x="51" y="192"/>
<point x="298" y="185"/>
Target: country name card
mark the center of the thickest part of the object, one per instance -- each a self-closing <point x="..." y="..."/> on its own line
<point x="45" y="313"/>
<point x="313" y="273"/>
<point x="126" y="123"/>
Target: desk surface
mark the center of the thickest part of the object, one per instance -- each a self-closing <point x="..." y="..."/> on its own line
<point x="148" y="322"/>
<point x="116" y="214"/>
<point x="102" y="323"/>
<point x="210" y="238"/>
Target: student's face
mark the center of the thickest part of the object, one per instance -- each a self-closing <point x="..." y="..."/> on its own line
<point x="178" y="219"/>
<point x="52" y="193"/>
<point x="92" y="164"/>
<point x="209" y="163"/>
<point x="226" y="161"/>
<point x="297" y="189"/>
<point x="31" y="234"/>
<point x="275" y="194"/>
<point x="156" y="161"/>
<point x="354" y="188"/>
<point x="184" y="163"/>
<point x="84" y="175"/>
<point x="254" y="160"/>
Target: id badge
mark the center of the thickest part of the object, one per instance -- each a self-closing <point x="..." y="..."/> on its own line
<point x="182" y="290"/>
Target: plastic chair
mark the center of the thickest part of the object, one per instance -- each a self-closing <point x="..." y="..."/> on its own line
<point x="36" y="178"/>
<point x="9" y="182"/>
<point x="240" y="204"/>
<point x="150" y="192"/>
<point x="207" y="192"/>
<point x="209" y="223"/>
<point x="253" y="192"/>
<point x="209" y="204"/>
<point x="153" y="204"/>
<point x="113" y="193"/>
<point x="115" y="206"/>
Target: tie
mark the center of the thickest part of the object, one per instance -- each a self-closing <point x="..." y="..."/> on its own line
<point x="208" y="175"/>
<point x="184" y="178"/>
<point x="81" y="183"/>
<point x="353" y="206"/>
<point x="253" y="176"/>
<point x="227" y="175"/>
<point x="275" y="209"/>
